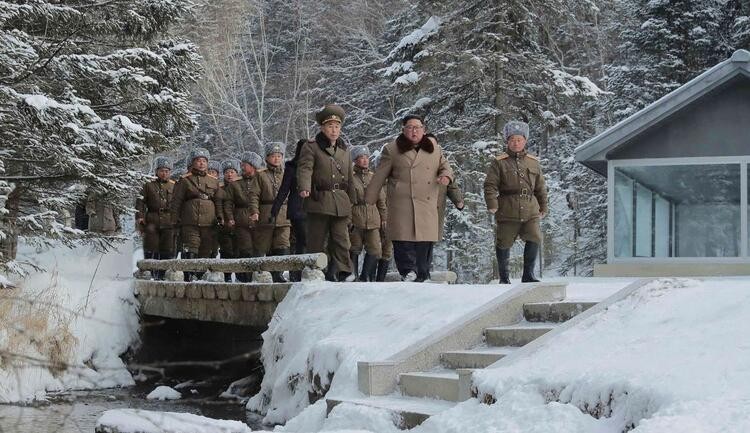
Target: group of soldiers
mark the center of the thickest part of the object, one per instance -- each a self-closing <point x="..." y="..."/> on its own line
<point x="199" y="216"/>
<point x="335" y="205"/>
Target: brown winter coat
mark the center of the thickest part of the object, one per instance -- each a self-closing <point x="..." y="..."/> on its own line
<point x="515" y="187"/>
<point x="102" y="216"/>
<point x="326" y="172"/>
<point x="366" y="216"/>
<point x="237" y="201"/>
<point x="263" y="191"/>
<point x="413" y="188"/>
<point x="197" y="200"/>
<point x="153" y="205"/>
<point x="452" y="192"/>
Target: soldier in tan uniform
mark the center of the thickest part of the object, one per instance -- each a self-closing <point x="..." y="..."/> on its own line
<point x="237" y="208"/>
<point x="272" y="232"/>
<point x="153" y="216"/>
<point x="196" y="208"/>
<point x="324" y="175"/>
<point x="227" y="246"/>
<point x="514" y="191"/>
<point x="367" y="219"/>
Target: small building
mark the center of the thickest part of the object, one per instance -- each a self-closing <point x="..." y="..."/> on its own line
<point x="677" y="176"/>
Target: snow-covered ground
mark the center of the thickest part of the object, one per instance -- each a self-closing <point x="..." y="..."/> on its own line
<point x="672" y="356"/>
<point x="65" y="327"/>
<point x="143" y="421"/>
<point x="321" y="330"/>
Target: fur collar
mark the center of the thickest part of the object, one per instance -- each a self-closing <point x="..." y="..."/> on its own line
<point x="325" y="143"/>
<point x="405" y="145"/>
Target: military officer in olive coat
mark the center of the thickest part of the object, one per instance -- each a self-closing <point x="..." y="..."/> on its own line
<point x="153" y="216"/>
<point x="272" y="232"/>
<point x="367" y="219"/>
<point x="324" y="176"/>
<point x="196" y="208"/>
<point x="237" y="208"/>
<point x="515" y="192"/>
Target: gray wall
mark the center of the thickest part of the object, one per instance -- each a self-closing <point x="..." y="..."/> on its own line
<point x="718" y="124"/>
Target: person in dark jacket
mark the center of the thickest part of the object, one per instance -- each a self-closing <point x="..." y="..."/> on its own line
<point x="288" y="192"/>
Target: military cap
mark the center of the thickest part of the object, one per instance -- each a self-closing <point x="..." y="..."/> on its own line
<point x="275" y="147"/>
<point x="232" y="163"/>
<point x="214" y="165"/>
<point x="177" y="173"/>
<point x="516" y="127"/>
<point x="358" y="151"/>
<point x="199" y="152"/>
<point x="329" y="113"/>
<point x="253" y="159"/>
<point x="162" y="162"/>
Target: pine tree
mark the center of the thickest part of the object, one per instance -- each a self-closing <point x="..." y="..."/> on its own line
<point x="86" y="89"/>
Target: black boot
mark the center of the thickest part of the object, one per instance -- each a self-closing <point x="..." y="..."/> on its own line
<point x="503" y="257"/>
<point x="295" y="276"/>
<point x="355" y="264"/>
<point x="530" y="253"/>
<point x="158" y="274"/>
<point x="382" y="270"/>
<point x="368" y="268"/>
<point x="277" y="276"/>
<point x="187" y="255"/>
<point x="227" y="275"/>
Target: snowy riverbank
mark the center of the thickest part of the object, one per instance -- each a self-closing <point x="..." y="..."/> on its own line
<point x="64" y="328"/>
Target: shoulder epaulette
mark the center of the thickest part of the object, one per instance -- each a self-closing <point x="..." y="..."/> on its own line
<point x="534" y="157"/>
<point x="212" y="176"/>
<point x="502" y="156"/>
<point x="171" y="181"/>
<point x="186" y="175"/>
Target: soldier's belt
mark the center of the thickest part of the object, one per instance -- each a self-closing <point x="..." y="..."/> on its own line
<point x="523" y="192"/>
<point x="333" y="187"/>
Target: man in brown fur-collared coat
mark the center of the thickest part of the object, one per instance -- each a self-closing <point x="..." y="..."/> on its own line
<point x="414" y="167"/>
<point x="324" y="180"/>
<point x="515" y="192"/>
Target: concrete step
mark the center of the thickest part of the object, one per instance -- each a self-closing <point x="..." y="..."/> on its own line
<point x="555" y="311"/>
<point x="474" y="358"/>
<point x="411" y="411"/>
<point x="442" y="384"/>
<point x="516" y="335"/>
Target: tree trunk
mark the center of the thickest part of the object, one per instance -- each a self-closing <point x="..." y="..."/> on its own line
<point x="9" y="244"/>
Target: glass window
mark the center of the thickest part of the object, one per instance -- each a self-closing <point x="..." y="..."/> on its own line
<point x="677" y="211"/>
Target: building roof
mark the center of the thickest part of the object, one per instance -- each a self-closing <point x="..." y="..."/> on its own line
<point x="593" y="153"/>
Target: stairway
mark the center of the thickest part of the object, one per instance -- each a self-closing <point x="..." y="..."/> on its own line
<point x="441" y="384"/>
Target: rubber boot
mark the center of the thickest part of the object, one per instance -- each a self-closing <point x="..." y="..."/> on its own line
<point x="227" y="275"/>
<point x="503" y="258"/>
<point x="530" y="253"/>
<point x="355" y="264"/>
<point x="382" y="270"/>
<point x="368" y="268"/>
<point x="277" y="276"/>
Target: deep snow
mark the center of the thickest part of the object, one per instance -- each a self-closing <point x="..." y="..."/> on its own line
<point x="64" y="328"/>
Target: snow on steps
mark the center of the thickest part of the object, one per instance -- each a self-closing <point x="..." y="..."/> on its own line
<point x="437" y="388"/>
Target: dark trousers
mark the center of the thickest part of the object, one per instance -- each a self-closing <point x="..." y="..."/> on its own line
<point x="413" y="256"/>
<point x="299" y="235"/>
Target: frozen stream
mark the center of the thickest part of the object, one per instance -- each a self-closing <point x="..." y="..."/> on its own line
<point x="78" y="411"/>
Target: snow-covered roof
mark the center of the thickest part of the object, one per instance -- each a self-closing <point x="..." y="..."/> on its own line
<point x="593" y="153"/>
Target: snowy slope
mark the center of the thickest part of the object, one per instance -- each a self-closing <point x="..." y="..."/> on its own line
<point x="65" y="327"/>
<point x="321" y="330"/>
<point x="673" y="356"/>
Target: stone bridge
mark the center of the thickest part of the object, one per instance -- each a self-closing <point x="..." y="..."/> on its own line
<point x="248" y="304"/>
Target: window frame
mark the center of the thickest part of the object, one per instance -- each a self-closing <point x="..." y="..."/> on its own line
<point x="743" y="162"/>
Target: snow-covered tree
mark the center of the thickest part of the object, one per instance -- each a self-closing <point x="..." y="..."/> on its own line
<point x="87" y="88"/>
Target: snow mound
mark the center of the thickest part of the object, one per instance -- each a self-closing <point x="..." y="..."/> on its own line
<point x="164" y="393"/>
<point x="321" y="330"/>
<point x="65" y="327"/>
<point x="144" y="421"/>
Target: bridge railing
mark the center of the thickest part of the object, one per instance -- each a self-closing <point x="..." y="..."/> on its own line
<point x="294" y="262"/>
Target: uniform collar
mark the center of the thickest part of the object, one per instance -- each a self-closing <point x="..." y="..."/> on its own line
<point x="360" y="170"/>
<point x="512" y="154"/>
<point x="197" y="172"/>
<point x="325" y="143"/>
